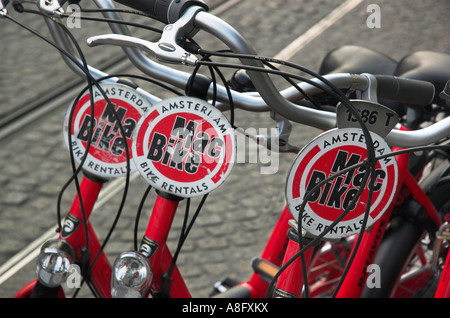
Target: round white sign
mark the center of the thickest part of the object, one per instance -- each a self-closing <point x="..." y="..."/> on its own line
<point x="326" y="155"/>
<point x="184" y="146"/>
<point x="107" y="153"/>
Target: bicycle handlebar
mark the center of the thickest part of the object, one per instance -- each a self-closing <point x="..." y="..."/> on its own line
<point x="269" y="98"/>
<point x="312" y="117"/>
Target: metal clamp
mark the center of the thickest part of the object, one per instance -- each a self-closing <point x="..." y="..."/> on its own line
<point x="51" y="7"/>
<point x="370" y="93"/>
<point x="284" y="127"/>
<point x="280" y="140"/>
<point x="442" y="234"/>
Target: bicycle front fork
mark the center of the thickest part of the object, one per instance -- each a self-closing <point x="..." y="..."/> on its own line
<point x="58" y="256"/>
<point x="291" y="281"/>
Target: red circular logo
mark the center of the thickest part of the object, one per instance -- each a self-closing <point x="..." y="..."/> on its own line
<point x="184" y="146"/>
<point x="326" y="156"/>
<point x="107" y="150"/>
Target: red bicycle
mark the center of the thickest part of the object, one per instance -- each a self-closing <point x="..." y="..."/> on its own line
<point x="191" y="146"/>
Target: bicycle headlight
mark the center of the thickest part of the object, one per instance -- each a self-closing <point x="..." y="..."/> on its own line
<point x="54" y="261"/>
<point x="131" y="276"/>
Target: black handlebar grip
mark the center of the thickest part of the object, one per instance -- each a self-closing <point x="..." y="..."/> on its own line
<point x="166" y="11"/>
<point x="408" y="91"/>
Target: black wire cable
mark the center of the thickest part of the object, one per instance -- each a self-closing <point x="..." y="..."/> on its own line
<point x="295" y="85"/>
<point x="84" y="157"/>
<point x="337" y="94"/>
<point x="182" y="239"/>
<point x="75" y="171"/>
<point x="87" y="148"/>
<point x="363" y="228"/>
<point x="317" y="239"/>
<point x="74" y="177"/>
<point x="183" y="236"/>
<point x="92" y="80"/>
<point x="369" y="162"/>
<point x="213" y="70"/>
<point x="190" y="84"/>
<point x="129" y="11"/>
<point x="138" y="216"/>
<point x="333" y="91"/>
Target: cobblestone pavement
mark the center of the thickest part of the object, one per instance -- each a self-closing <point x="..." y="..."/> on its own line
<point x="237" y="219"/>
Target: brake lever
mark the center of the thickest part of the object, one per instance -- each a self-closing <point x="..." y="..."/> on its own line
<point x="161" y="50"/>
<point x="166" y="49"/>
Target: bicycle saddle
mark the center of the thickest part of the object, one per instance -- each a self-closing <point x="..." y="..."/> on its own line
<point x="429" y="66"/>
<point x="357" y="59"/>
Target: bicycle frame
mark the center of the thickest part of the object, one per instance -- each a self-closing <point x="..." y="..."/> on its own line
<point x="290" y="281"/>
<point x="354" y="284"/>
<point x="100" y="275"/>
<point x="443" y="289"/>
<point x="355" y="280"/>
<point x="280" y="248"/>
<point x="157" y="231"/>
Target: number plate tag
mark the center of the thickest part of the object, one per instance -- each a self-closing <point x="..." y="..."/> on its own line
<point x="378" y="118"/>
